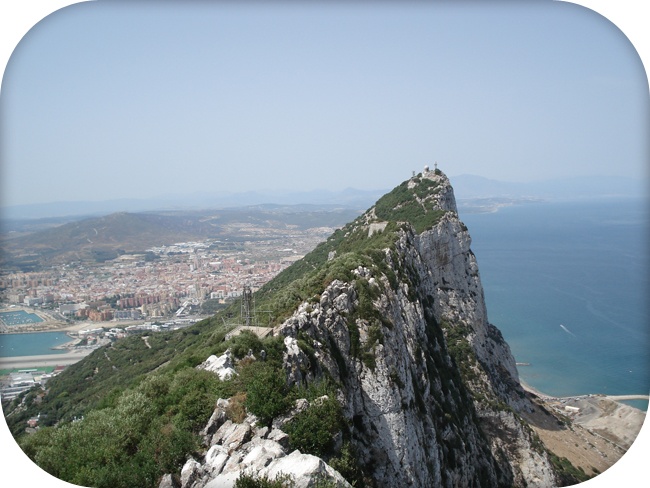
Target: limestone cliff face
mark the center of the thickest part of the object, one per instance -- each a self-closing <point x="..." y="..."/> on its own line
<point x="428" y="385"/>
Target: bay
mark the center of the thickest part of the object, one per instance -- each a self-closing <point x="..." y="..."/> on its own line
<point x="32" y="344"/>
<point x="567" y="284"/>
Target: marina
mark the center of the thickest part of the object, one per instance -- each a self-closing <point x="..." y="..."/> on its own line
<point x="19" y="317"/>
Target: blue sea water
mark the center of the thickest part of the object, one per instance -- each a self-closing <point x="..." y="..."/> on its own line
<point x="568" y="285"/>
<point x="31" y="344"/>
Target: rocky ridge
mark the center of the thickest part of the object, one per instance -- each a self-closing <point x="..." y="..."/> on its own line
<point x="427" y="386"/>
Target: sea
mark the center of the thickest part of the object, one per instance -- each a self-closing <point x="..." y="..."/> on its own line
<point x="568" y="285"/>
<point x="32" y="344"/>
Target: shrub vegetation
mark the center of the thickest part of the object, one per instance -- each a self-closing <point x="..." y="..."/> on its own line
<point x="312" y="431"/>
<point x="266" y="395"/>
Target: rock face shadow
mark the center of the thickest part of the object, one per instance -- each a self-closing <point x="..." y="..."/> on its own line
<point x="540" y="417"/>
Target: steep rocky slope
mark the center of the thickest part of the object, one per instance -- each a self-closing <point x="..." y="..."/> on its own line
<point x="381" y="370"/>
<point x="395" y="317"/>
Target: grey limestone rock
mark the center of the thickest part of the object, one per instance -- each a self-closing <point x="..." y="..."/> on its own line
<point x="305" y="470"/>
<point x="223" y="365"/>
<point x="428" y="387"/>
<point x="190" y="472"/>
<point x="167" y="481"/>
<point x="415" y="418"/>
<point x="237" y="452"/>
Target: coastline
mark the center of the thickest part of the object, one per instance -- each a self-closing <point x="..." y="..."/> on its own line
<point x="615" y="398"/>
<point x="592" y="431"/>
<point x="70" y="345"/>
<point x="51" y="323"/>
<point x="533" y="390"/>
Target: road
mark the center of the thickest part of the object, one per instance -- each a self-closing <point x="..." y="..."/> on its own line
<point x="25" y="362"/>
<point x="628" y="397"/>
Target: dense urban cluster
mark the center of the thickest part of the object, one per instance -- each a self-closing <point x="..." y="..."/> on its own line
<point x="161" y="282"/>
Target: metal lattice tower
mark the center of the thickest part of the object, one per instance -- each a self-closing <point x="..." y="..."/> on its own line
<point x="247" y="305"/>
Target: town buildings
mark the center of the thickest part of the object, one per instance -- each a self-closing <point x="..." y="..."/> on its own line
<point x="162" y="282"/>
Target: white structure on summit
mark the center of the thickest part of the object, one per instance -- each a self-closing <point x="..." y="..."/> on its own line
<point x="435" y="166"/>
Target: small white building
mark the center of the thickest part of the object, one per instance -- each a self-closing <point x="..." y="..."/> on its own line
<point x="31" y="301"/>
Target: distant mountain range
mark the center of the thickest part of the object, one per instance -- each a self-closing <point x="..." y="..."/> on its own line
<point x="467" y="187"/>
<point x="476" y="194"/>
<point x="348" y="198"/>
<point x="472" y="186"/>
<point x="35" y="234"/>
<point x="29" y="244"/>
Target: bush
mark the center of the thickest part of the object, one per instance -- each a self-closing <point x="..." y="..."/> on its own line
<point x="567" y="472"/>
<point x="241" y="344"/>
<point x="113" y="448"/>
<point x="188" y="381"/>
<point x="135" y="438"/>
<point x="266" y="395"/>
<point x="312" y="431"/>
<point x="410" y="205"/>
<point x="346" y="464"/>
<point x="168" y="445"/>
<point x="194" y="410"/>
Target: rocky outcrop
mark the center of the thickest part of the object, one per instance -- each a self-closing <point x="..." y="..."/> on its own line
<point x="428" y="387"/>
<point x="243" y="448"/>
<point x="223" y="366"/>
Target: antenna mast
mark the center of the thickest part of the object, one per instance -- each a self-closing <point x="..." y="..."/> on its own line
<point x="247" y="300"/>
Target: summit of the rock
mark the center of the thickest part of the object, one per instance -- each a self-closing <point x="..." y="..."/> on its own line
<point x="391" y="310"/>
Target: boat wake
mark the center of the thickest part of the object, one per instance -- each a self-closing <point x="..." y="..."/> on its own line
<point x="567" y="330"/>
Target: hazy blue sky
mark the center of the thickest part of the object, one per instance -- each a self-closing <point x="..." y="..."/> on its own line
<point x="116" y="99"/>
